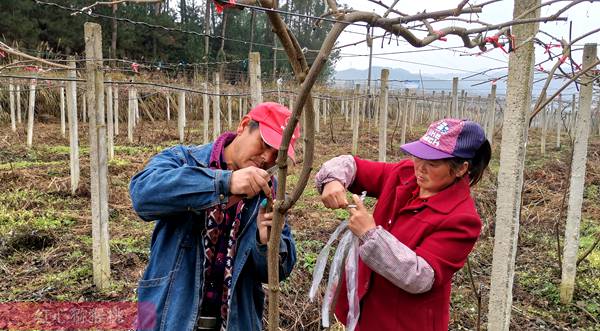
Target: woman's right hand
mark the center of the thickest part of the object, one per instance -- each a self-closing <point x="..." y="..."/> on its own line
<point x="334" y="195"/>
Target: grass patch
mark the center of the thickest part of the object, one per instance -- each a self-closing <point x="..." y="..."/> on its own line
<point x="70" y="277"/>
<point x="129" y="245"/>
<point x="28" y="164"/>
<point x="117" y="162"/>
<point x="48" y="220"/>
<point x="308" y="250"/>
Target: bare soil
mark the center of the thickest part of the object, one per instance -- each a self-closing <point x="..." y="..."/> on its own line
<point x="45" y="232"/>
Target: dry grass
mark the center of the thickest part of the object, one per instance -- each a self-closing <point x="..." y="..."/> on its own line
<point x="45" y="234"/>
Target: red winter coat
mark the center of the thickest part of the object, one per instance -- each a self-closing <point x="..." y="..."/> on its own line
<point x="442" y="230"/>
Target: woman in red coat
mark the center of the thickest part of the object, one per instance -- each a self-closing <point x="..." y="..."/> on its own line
<point x="422" y="229"/>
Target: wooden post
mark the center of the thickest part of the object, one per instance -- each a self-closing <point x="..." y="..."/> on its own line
<point x="558" y="119"/>
<point x="206" y="112"/>
<point x="18" y="95"/>
<point x="136" y="108"/>
<point x="453" y="111"/>
<point x="577" y="181"/>
<point x="229" y="124"/>
<point x="383" y="116"/>
<point x="316" y="107"/>
<point x="325" y="108"/>
<point x="116" y="109"/>
<point x="355" y="120"/>
<point x="462" y="103"/>
<point x="84" y="115"/>
<point x="11" y="98"/>
<point x="130" y="113"/>
<point x="73" y="126"/>
<point x="510" y="174"/>
<point x="240" y="108"/>
<point x="181" y="116"/>
<point x="30" y="112"/>
<point x="492" y="115"/>
<point x="255" y="82"/>
<point x="63" y="127"/>
<point x="217" y="109"/>
<point x="404" y="117"/>
<point x="109" y="120"/>
<point x="573" y="114"/>
<point x="98" y="161"/>
<point x="544" y="129"/>
<point x="168" y="98"/>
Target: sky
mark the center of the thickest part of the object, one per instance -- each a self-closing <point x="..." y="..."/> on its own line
<point x="584" y="17"/>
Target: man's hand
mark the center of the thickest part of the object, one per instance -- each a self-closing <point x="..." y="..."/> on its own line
<point x="249" y="181"/>
<point x="264" y="222"/>
<point x="334" y="195"/>
<point x="360" y="220"/>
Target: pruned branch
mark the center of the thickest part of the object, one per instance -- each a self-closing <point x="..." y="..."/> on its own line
<point x="111" y="3"/>
<point x="13" y="51"/>
<point x="566" y="54"/>
<point x="572" y="79"/>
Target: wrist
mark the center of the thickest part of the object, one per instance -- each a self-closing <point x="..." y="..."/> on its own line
<point x="368" y="234"/>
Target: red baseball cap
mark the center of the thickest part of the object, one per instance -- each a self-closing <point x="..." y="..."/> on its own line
<point x="272" y="119"/>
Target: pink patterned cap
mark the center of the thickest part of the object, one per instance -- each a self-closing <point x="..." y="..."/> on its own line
<point x="448" y="138"/>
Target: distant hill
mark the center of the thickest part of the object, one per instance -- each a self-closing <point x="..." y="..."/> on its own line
<point x="402" y="78"/>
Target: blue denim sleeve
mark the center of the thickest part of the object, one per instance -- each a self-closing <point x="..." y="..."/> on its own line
<point x="287" y="256"/>
<point x="169" y="185"/>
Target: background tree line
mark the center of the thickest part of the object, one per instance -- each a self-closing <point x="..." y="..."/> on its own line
<point x="51" y="32"/>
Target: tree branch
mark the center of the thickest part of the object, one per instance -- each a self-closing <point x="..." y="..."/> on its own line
<point x="111" y="3"/>
<point x="572" y="79"/>
<point x="13" y="51"/>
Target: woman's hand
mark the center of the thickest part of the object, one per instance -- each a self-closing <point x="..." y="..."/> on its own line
<point x="334" y="195"/>
<point x="360" y="220"/>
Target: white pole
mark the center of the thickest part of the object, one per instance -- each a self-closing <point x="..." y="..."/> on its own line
<point x="109" y="120"/>
<point x="130" y="114"/>
<point x="63" y="128"/>
<point x="181" y="116"/>
<point x="217" y="108"/>
<point x="581" y="134"/>
<point x="18" y="92"/>
<point x="11" y="97"/>
<point x="206" y="112"/>
<point x="98" y="161"/>
<point x="30" y="112"/>
<point x="73" y="127"/>
<point x="116" y="109"/>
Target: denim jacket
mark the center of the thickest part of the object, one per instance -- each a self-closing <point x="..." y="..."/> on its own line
<point x="174" y="189"/>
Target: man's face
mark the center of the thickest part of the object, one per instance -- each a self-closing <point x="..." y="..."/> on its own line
<point x="250" y="149"/>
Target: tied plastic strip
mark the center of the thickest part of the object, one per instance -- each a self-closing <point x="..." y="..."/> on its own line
<point x="334" y="276"/>
<point x="221" y="5"/>
<point x="441" y="35"/>
<point x="135" y="67"/>
<point x="322" y="260"/>
<point x="352" y="284"/>
<point x="494" y="40"/>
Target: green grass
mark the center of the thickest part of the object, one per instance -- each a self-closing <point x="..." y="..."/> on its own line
<point x="117" y="162"/>
<point x="130" y="245"/>
<point x="69" y="277"/>
<point x="28" y="164"/>
<point x="308" y="250"/>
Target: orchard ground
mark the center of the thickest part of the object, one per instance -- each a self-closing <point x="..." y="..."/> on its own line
<point x="45" y="233"/>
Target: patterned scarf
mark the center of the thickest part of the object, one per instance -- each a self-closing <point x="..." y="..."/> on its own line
<point x="220" y="243"/>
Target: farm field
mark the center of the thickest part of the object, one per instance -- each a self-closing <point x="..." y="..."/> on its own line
<point x="45" y="232"/>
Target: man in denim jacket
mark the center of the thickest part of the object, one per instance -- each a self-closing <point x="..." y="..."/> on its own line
<point x="208" y="250"/>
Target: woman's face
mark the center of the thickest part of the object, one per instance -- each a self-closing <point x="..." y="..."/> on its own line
<point x="434" y="176"/>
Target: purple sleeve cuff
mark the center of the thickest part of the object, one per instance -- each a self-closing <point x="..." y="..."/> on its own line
<point x="341" y="168"/>
<point x="389" y="257"/>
